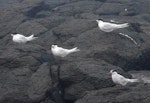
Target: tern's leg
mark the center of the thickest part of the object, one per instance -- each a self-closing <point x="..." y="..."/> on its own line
<point x="51" y="74"/>
<point x="119" y="86"/>
<point x="58" y="73"/>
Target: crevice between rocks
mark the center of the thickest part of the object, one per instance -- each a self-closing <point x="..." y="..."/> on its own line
<point x="42" y="6"/>
<point x="139" y="63"/>
<point x="69" y="101"/>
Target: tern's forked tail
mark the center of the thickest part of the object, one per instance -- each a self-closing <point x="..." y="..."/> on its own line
<point x="133" y="80"/>
<point x="74" y="50"/>
<point x="123" y="25"/>
<point x="30" y="38"/>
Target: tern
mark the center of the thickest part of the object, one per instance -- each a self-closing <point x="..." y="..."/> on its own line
<point x="19" y="38"/>
<point x="62" y="52"/>
<point x="121" y="80"/>
<point x="58" y="53"/>
<point x="109" y="27"/>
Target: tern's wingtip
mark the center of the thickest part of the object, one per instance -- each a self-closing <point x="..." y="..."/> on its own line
<point x="113" y="70"/>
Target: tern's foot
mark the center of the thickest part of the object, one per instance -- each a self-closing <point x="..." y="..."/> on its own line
<point x="119" y="86"/>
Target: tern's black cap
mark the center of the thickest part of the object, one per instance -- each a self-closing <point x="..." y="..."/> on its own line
<point x="14" y="33"/>
<point x="100" y="19"/>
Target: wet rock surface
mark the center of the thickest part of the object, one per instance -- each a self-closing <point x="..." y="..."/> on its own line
<point x="24" y="68"/>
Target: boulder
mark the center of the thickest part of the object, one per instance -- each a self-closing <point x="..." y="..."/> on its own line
<point x="138" y="94"/>
<point x="82" y="76"/>
<point x="17" y="55"/>
<point x="40" y="83"/>
<point x="31" y="27"/>
<point x="110" y="9"/>
<point x="23" y="85"/>
<point x="14" y="84"/>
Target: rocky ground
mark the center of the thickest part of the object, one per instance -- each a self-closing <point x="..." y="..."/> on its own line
<point x="24" y="69"/>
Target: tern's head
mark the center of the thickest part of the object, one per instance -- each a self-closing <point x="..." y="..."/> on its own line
<point x="12" y="34"/>
<point x="111" y="72"/>
<point x="53" y="46"/>
<point x="99" y="20"/>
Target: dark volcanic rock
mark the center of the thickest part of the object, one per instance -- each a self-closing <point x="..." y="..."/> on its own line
<point x="110" y="9"/>
<point x="25" y="28"/>
<point x="23" y="55"/>
<point x="22" y="85"/>
<point x="29" y="7"/>
<point x="78" y="7"/>
<point x="24" y="68"/>
<point x="40" y="83"/>
<point x="137" y="94"/>
<point x="62" y="33"/>
<point x="14" y="84"/>
<point x="82" y="76"/>
<point x="9" y="21"/>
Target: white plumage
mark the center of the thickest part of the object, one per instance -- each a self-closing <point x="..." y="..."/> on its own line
<point x="121" y="80"/>
<point x="18" y="38"/>
<point x="109" y="27"/>
<point x="62" y="52"/>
